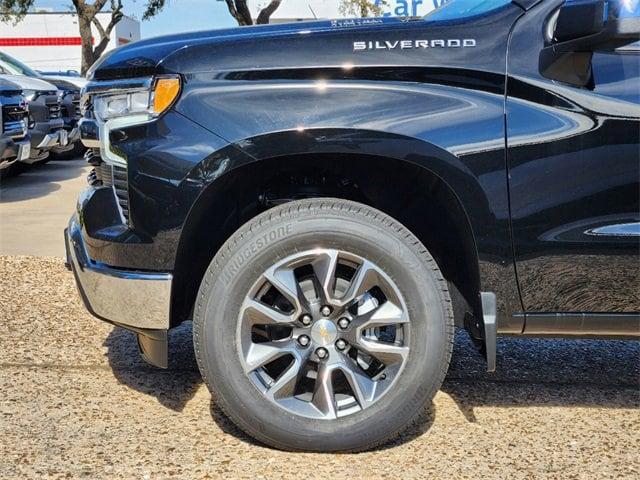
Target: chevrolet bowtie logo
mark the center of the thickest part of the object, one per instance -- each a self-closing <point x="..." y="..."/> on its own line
<point x="324" y="332"/>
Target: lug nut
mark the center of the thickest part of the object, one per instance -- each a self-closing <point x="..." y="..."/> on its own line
<point x="306" y="319"/>
<point x="303" y="340"/>
<point x="341" y="344"/>
<point x="322" y="353"/>
<point x="343" y="323"/>
<point x="325" y="311"/>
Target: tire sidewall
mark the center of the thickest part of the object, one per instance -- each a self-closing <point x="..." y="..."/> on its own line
<point x="267" y="240"/>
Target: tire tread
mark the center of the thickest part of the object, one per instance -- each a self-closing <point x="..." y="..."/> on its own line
<point x="317" y="206"/>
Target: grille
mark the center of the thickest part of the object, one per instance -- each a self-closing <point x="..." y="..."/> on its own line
<point x="13" y="120"/>
<point x="73" y="111"/>
<point x="104" y="175"/>
<point x="116" y="177"/>
<point x="55" y="111"/>
<point x="120" y="186"/>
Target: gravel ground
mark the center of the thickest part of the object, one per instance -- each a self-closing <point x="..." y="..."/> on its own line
<point x="77" y="402"/>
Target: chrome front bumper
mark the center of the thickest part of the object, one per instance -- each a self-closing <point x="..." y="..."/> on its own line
<point x="24" y="151"/>
<point x="60" y="137"/>
<point x="131" y="299"/>
<point x="74" y="135"/>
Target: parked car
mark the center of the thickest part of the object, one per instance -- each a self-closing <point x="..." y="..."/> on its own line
<point x="68" y="92"/>
<point x="327" y="200"/>
<point x="46" y="127"/>
<point x="72" y="76"/>
<point x="69" y="83"/>
<point x="14" y="137"/>
<point x="69" y="96"/>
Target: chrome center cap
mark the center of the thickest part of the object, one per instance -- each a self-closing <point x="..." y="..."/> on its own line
<point x="324" y="332"/>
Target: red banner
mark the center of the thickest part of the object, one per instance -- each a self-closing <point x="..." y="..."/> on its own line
<point x="39" y="41"/>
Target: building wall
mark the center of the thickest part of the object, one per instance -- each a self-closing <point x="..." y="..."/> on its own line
<point x="51" y="40"/>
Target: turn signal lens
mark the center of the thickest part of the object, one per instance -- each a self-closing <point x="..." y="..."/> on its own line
<point x="165" y="92"/>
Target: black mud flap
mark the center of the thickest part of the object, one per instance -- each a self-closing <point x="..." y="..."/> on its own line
<point x="490" y="328"/>
<point x="67" y="258"/>
<point x="154" y="347"/>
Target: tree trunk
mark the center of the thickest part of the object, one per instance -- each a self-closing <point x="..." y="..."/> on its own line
<point x="88" y="57"/>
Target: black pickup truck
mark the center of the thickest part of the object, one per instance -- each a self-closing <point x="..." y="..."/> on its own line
<point x="15" y="143"/>
<point x="328" y="200"/>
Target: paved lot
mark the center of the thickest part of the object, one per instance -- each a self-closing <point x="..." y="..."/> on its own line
<point x="36" y="205"/>
<point x="76" y="401"/>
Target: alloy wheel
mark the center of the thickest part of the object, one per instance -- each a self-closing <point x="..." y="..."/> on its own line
<point x="323" y="333"/>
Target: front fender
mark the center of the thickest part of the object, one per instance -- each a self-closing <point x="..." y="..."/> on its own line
<point x="478" y="182"/>
<point x="449" y="121"/>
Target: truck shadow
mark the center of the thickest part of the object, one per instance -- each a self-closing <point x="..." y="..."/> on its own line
<point x="531" y="372"/>
<point x="546" y="372"/>
<point x="173" y="387"/>
<point x="40" y="180"/>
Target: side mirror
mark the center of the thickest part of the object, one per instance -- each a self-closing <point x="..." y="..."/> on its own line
<point x="578" y="20"/>
<point x="581" y="26"/>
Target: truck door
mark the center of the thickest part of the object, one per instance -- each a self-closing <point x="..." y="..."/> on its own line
<point x="573" y="156"/>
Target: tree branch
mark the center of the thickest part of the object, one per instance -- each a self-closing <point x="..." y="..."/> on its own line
<point x="234" y="13"/>
<point x="116" y="16"/>
<point x="266" y="12"/>
<point x="240" y="11"/>
<point x="98" y="4"/>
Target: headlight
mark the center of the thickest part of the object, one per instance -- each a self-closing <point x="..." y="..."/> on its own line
<point x="148" y="103"/>
<point x="30" y="95"/>
<point x="63" y="93"/>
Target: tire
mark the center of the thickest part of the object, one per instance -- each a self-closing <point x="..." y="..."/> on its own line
<point x="8" y="172"/>
<point x="408" y="277"/>
<point x="39" y="163"/>
<point x="76" y="152"/>
<point x="12" y="170"/>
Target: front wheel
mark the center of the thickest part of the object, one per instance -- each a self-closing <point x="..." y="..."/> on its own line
<point x="323" y="325"/>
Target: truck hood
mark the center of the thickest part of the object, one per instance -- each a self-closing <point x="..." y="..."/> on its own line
<point x="8" y="88"/>
<point x="30" y="83"/>
<point x="329" y="43"/>
<point x="77" y="82"/>
<point x="157" y="55"/>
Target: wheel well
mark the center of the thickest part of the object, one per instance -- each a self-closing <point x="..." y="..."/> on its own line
<point x="416" y="197"/>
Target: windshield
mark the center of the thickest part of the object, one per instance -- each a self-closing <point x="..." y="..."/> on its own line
<point x="11" y="66"/>
<point x="456" y="9"/>
<point x="622" y="8"/>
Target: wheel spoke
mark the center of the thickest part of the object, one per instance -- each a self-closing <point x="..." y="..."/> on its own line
<point x="387" y="353"/>
<point x="257" y="313"/>
<point x="284" y="280"/>
<point x="284" y="386"/>
<point x="260" y="354"/>
<point x="365" y="278"/>
<point x="323" y="396"/>
<point x="386" y="314"/>
<point x="362" y="386"/>
<point x="324" y="268"/>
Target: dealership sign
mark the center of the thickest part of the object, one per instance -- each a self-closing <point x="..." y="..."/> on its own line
<point x="408" y="8"/>
<point x="291" y="10"/>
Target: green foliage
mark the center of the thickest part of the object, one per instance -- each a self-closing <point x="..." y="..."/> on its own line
<point x="153" y="8"/>
<point x="14" y="10"/>
<point x="361" y="8"/>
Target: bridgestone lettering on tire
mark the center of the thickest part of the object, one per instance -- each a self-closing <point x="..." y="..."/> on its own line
<point x="323" y="325"/>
